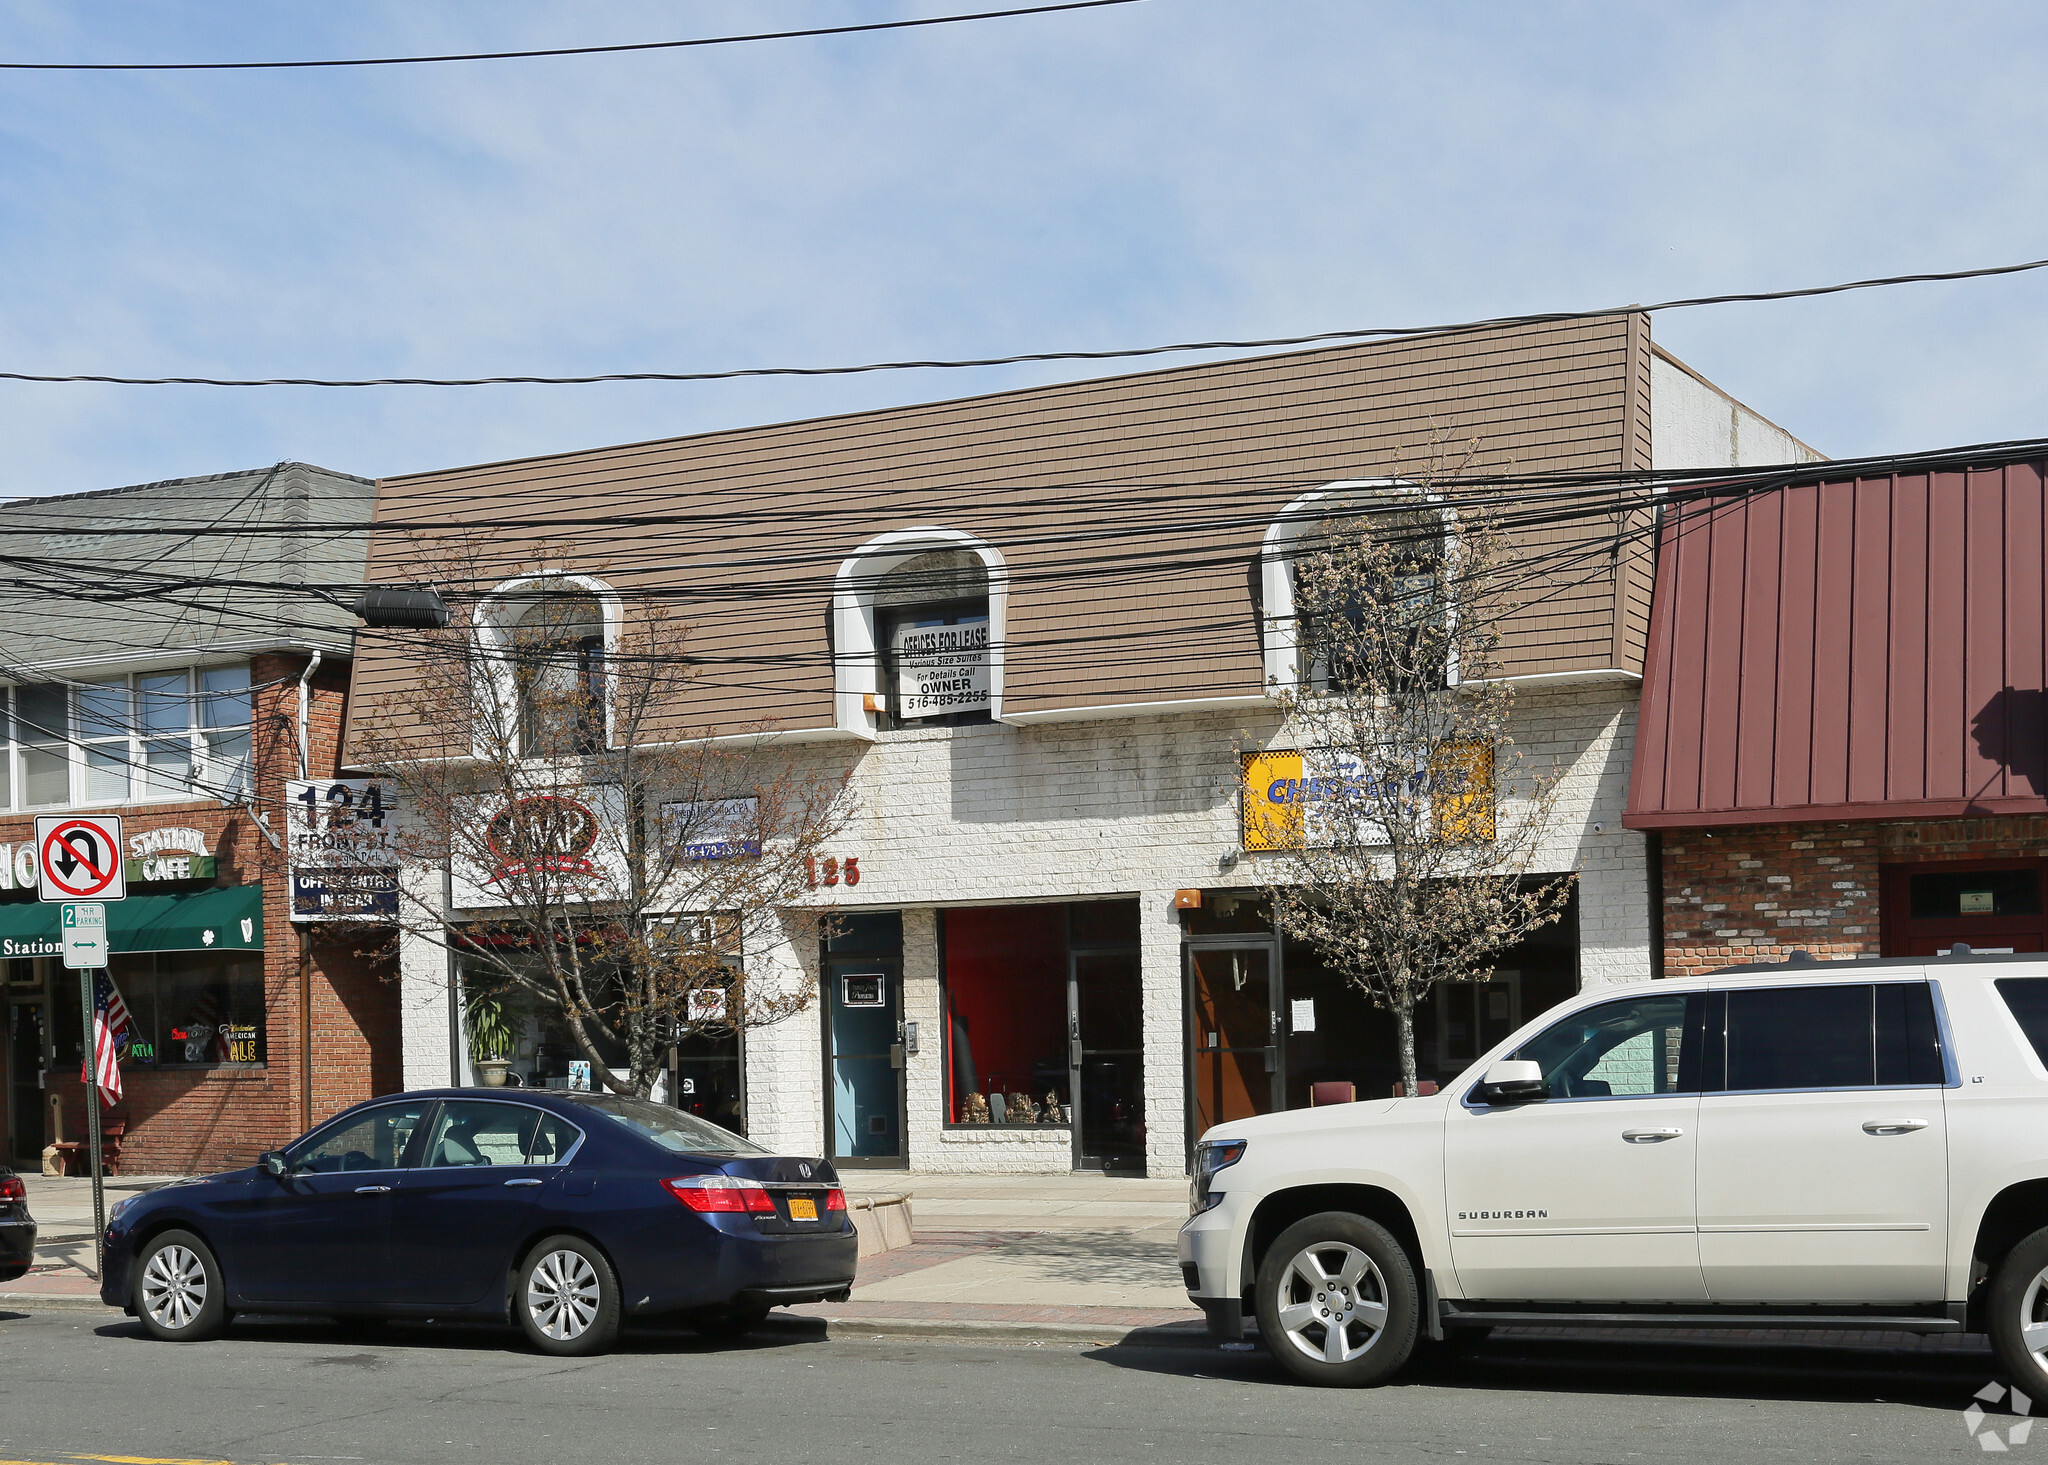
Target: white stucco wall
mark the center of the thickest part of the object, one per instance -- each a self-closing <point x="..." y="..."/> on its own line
<point x="1694" y="424"/>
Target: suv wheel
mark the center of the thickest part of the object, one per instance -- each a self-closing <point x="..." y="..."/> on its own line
<point x="1337" y="1300"/>
<point x="2018" y="1309"/>
<point x="566" y="1298"/>
<point x="178" y="1292"/>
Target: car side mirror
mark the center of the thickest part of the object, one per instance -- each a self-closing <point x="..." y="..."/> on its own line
<point x="272" y="1163"/>
<point x="1513" y="1081"/>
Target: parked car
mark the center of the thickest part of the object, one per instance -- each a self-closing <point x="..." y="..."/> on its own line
<point x="1855" y="1144"/>
<point x="559" y="1212"/>
<point x="17" y="1227"/>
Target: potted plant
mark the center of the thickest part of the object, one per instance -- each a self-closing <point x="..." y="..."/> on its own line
<point x="490" y="1037"/>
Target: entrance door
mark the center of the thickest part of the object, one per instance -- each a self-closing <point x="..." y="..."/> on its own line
<point x="1105" y="1008"/>
<point x="1235" y="1032"/>
<point x="25" y="1048"/>
<point x="864" y="1060"/>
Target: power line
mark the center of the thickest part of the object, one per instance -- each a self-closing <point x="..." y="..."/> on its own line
<point x="1556" y="317"/>
<point x="832" y="30"/>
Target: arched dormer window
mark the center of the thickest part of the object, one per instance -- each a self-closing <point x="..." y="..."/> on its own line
<point x="1418" y="526"/>
<point x="545" y="640"/>
<point x="917" y="621"/>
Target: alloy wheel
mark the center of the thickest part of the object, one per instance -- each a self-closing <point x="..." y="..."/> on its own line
<point x="1333" y="1302"/>
<point x="174" y="1286"/>
<point x="2034" y="1318"/>
<point x="562" y="1294"/>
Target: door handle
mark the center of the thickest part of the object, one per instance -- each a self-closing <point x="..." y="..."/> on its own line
<point x="522" y="1182"/>
<point x="1073" y="1052"/>
<point x="1650" y="1136"/>
<point x="895" y="1055"/>
<point x="373" y="1190"/>
<point x="1893" y="1126"/>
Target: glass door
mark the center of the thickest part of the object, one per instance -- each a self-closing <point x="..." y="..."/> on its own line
<point x="1235" y="1036"/>
<point x="1105" y="1009"/>
<point x="25" y="1049"/>
<point x="864" y="1058"/>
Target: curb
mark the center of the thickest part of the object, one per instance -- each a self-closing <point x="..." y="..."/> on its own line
<point x="55" y="1302"/>
<point x="934" y="1330"/>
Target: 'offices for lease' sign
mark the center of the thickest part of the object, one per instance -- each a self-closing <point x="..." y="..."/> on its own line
<point x="941" y="670"/>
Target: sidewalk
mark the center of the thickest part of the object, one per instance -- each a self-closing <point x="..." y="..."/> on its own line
<point x="1076" y="1257"/>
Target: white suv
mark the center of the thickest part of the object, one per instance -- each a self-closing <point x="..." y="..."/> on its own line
<point x="1858" y="1144"/>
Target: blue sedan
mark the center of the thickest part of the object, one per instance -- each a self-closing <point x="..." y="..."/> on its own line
<point x="562" y="1212"/>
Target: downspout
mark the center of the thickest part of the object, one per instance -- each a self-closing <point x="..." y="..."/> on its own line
<point x="305" y="713"/>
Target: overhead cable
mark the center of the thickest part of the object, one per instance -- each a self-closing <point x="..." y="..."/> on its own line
<point x="1123" y="354"/>
<point x="830" y="30"/>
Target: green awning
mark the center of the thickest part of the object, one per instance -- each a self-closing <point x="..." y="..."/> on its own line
<point x="199" y="920"/>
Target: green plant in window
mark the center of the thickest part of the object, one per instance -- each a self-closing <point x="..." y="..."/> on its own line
<point x="490" y="1027"/>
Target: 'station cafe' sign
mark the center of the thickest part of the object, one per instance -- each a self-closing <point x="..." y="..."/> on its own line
<point x="1288" y="798"/>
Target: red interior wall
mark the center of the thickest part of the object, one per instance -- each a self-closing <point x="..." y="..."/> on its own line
<point x="1006" y="973"/>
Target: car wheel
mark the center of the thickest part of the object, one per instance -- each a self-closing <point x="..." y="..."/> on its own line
<point x="1337" y="1300"/>
<point x="178" y="1293"/>
<point x="734" y="1320"/>
<point x="567" y="1298"/>
<point x="2018" y="1309"/>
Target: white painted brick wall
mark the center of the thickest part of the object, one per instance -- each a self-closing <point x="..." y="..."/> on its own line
<point x="1094" y="810"/>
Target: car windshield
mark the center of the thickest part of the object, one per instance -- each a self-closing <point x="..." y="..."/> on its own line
<point x="672" y="1129"/>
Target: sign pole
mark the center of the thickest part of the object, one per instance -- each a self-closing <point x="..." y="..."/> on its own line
<point x="92" y="1108"/>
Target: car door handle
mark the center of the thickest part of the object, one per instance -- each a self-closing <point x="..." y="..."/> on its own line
<point x="522" y="1182"/>
<point x="373" y="1190"/>
<point x="1650" y="1136"/>
<point x="1893" y="1126"/>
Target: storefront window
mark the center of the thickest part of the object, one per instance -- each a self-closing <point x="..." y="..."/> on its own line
<point x="1006" y="1003"/>
<point x="190" y="1009"/>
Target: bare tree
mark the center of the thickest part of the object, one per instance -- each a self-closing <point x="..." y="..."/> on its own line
<point x="1392" y="855"/>
<point x="605" y="859"/>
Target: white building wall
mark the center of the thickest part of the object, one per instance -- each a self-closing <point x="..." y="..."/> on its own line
<point x="1131" y="808"/>
<point x="1694" y="424"/>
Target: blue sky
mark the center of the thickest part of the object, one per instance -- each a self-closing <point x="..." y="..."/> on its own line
<point x="1170" y="170"/>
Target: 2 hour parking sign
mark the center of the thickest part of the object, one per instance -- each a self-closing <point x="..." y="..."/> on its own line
<point x="78" y="857"/>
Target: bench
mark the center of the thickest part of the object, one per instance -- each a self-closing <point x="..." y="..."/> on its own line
<point x="74" y="1156"/>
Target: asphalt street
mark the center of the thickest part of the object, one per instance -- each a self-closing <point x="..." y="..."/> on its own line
<point x="79" y="1388"/>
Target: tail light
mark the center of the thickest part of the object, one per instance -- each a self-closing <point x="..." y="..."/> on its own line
<point x="721" y="1193"/>
<point x="12" y="1188"/>
<point x="835" y="1199"/>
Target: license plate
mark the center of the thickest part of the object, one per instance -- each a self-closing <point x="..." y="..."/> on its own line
<point x="802" y="1208"/>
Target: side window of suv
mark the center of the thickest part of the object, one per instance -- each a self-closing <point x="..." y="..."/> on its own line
<point x="1636" y="1046"/>
<point x="1852" y="1036"/>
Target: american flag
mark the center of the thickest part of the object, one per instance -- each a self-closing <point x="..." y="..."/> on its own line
<point x="110" y="1022"/>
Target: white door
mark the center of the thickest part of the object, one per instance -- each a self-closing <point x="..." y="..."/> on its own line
<point x="1823" y="1171"/>
<point x="1586" y="1196"/>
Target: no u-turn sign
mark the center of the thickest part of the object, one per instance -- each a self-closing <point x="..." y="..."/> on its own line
<point x="78" y="857"/>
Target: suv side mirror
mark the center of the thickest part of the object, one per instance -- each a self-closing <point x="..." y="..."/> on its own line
<point x="272" y="1163"/>
<point x="1513" y="1081"/>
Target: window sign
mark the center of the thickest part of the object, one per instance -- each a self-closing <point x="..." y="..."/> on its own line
<point x="341" y="835"/>
<point x="864" y="990"/>
<point x="941" y="669"/>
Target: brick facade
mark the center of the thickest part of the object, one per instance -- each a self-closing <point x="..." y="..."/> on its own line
<point x="197" y="1120"/>
<point x="1757" y="892"/>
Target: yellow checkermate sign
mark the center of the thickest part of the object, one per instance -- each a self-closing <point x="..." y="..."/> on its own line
<point x="1283" y="793"/>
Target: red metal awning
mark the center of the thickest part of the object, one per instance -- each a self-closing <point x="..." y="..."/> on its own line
<point x="1864" y="649"/>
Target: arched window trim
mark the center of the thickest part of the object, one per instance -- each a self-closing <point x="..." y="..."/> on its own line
<point x="1280" y="626"/>
<point x="856" y="656"/>
<point x="495" y="616"/>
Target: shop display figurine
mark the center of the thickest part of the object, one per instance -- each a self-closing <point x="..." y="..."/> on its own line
<point x="975" y="1110"/>
<point x="1022" y="1110"/>
<point x="1053" y="1114"/>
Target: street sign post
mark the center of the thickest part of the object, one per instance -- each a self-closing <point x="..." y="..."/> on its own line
<point x="78" y="864"/>
<point x="78" y="857"/>
<point x="84" y="924"/>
